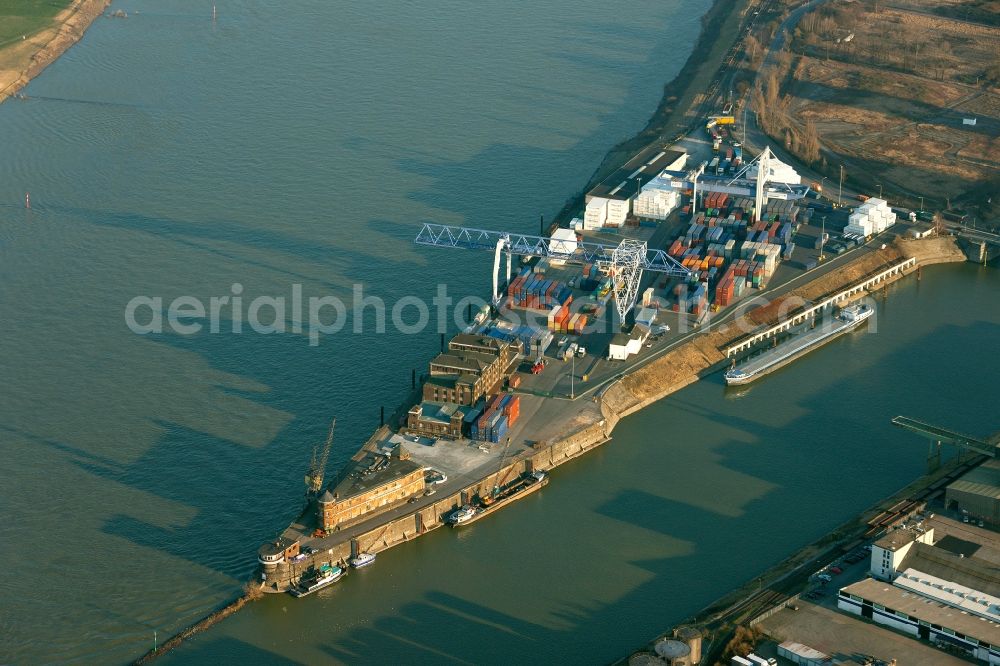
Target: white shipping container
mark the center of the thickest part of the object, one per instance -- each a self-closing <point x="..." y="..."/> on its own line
<point x="802" y="654"/>
<point x="618" y="210"/>
<point x="596" y="213"/>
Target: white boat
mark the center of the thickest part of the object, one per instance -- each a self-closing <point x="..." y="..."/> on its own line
<point x="537" y="476"/>
<point x="326" y="576"/>
<point x="846" y="320"/>
<point x="362" y="560"/>
<point x="463" y="515"/>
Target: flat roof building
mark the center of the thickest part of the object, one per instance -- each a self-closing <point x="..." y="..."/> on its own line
<point x="922" y="617"/>
<point x="978" y="492"/>
<point x="889" y="552"/>
<point x="941" y="583"/>
<point x="376" y="483"/>
<point x="437" y="419"/>
<point x="624" y="345"/>
<point x="622" y="183"/>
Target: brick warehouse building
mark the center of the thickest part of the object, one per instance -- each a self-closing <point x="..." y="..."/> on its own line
<point x="375" y="484"/>
<point x="472" y="368"/>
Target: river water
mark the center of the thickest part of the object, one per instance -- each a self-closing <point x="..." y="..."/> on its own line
<point x="168" y="155"/>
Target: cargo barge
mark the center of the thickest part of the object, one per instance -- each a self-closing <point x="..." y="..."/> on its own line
<point x="846" y="320"/>
<point x="525" y="485"/>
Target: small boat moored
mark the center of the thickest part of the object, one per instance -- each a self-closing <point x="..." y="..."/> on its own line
<point x="327" y="575"/>
<point x="463" y="515"/>
<point x="362" y="560"/>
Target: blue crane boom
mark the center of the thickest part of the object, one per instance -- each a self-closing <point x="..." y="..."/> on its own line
<point x="442" y="235"/>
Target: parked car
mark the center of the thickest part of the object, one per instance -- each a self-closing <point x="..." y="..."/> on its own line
<point x="826" y="578"/>
<point x="836" y="570"/>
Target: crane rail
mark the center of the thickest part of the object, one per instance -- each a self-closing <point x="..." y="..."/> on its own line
<point x="443" y="235"/>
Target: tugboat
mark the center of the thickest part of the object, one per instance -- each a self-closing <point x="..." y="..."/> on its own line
<point x="327" y="575"/>
<point x="362" y="560"/>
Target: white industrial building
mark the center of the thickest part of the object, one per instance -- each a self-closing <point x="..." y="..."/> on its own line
<point x="659" y="198"/>
<point x="889" y="551"/>
<point x="624" y="345"/>
<point x="563" y="241"/>
<point x="929" y="618"/>
<point x="779" y="172"/>
<point x="872" y="217"/>
<point x="797" y="653"/>
<point x="609" y="203"/>
<point x="946" y="591"/>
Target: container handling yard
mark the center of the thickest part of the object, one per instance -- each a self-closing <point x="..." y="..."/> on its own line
<point x="662" y="247"/>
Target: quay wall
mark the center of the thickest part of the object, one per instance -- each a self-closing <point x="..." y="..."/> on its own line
<point x="673" y="371"/>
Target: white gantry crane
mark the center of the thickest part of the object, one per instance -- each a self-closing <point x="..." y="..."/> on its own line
<point x="763" y="166"/>
<point x="624" y="262"/>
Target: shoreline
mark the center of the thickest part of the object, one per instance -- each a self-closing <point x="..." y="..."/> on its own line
<point x="700" y="67"/>
<point x="44" y="47"/>
<point x="668" y="374"/>
<point x="667" y="124"/>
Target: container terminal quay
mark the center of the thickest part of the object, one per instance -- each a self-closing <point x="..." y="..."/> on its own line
<point x="658" y="281"/>
<point x="696" y="256"/>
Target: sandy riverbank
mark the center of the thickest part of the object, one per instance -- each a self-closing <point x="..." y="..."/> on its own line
<point x="23" y="60"/>
<point x="680" y="108"/>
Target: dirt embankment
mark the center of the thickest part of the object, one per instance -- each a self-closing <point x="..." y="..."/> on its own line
<point x="892" y="94"/>
<point x="941" y="250"/>
<point x="22" y="61"/>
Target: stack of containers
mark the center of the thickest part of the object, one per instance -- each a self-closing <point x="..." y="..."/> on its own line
<point x="485" y="426"/>
<point x="681" y="292"/>
<point x="617" y="212"/>
<point x="699" y="300"/>
<point x="532" y="291"/>
<point x="499" y="427"/>
<point x="559" y="317"/>
<point x="596" y="213"/>
<point x="725" y="290"/>
<point x="512" y="409"/>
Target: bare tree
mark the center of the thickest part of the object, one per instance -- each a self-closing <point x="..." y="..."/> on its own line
<point x="809" y="145"/>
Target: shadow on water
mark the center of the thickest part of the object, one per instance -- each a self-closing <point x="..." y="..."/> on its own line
<point x="763" y="522"/>
<point x="204" y="235"/>
<point x="225" y="649"/>
<point x="451" y="182"/>
<point x="232" y="490"/>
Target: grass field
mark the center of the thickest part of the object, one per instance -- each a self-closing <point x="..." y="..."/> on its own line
<point x="24" y="17"/>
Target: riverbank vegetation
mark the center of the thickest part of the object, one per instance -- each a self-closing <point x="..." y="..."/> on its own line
<point x="20" y="19"/>
<point x="33" y="33"/>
